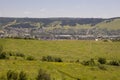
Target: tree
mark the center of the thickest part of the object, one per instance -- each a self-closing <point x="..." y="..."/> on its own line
<point x="22" y="76"/>
<point x="12" y="75"/>
<point x="102" y="60"/>
<point x="3" y="55"/>
<point x="42" y="75"/>
<point x="114" y="63"/>
<point x="90" y="62"/>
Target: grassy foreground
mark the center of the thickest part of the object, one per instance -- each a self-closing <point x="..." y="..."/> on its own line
<point x="69" y="51"/>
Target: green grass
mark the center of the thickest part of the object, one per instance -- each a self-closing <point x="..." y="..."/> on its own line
<point x="113" y="25"/>
<point x="68" y="50"/>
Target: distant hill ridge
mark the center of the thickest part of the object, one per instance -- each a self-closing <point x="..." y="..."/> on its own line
<point x="63" y="21"/>
<point x="50" y="27"/>
<point x="46" y="21"/>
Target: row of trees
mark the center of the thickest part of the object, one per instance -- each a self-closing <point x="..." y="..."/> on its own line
<point x="101" y="61"/>
<point x="51" y="59"/>
<point x="6" y="55"/>
<point x="46" y="21"/>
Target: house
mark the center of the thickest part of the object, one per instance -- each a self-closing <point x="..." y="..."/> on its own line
<point x="1" y="34"/>
<point x="63" y="37"/>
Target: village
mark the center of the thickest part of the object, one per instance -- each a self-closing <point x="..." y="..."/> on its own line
<point x="42" y="34"/>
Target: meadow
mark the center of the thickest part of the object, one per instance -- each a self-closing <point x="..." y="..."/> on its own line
<point x="69" y="51"/>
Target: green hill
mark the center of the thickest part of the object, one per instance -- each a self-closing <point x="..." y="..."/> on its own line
<point x="111" y="25"/>
<point x="58" y="26"/>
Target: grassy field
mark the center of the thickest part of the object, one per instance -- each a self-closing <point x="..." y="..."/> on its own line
<point x="69" y="51"/>
<point x="113" y="25"/>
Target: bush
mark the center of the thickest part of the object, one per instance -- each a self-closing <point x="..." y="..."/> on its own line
<point x="19" y="54"/>
<point x="114" y="63"/>
<point x="30" y="58"/>
<point x="10" y="53"/>
<point x="102" y="60"/>
<point x="90" y="62"/>
<point x="58" y="60"/>
<point x="47" y="58"/>
<point x="51" y="59"/>
<point x="11" y="75"/>
<point x="42" y="75"/>
<point x="3" y="55"/>
<point x="22" y="76"/>
<point x="77" y="61"/>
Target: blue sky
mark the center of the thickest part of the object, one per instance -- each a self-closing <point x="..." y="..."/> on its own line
<point x="60" y="8"/>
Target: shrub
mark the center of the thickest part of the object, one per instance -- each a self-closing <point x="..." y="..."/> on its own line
<point x="12" y="75"/>
<point x="47" y="58"/>
<point x="114" y="63"/>
<point x="19" y="54"/>
<point x="42" y="75"/>
<point x="77" y="61"/>
<point x="10" y="53"/>
<point x="58" y="60"/>
<point x="78" y="79"/>
<point x="22" y="76"/>
<point x="51" y="59"/>
<point x="16" y="54"/>
<point x="3" y="55"/>
<point x="89" y="62"/>
<point x="30" y="58"/>
<point x="102" y="60"/>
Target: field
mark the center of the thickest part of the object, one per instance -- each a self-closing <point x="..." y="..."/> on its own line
<point x="113" y="25"/>
<point x="69" y="51"/>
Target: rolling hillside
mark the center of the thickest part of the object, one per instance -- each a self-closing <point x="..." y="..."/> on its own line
<point x="49" y="28"/>
<point x="45" y="22"/>
<point x="111" y="25"/>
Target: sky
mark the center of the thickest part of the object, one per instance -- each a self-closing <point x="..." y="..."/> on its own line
<point x="60" y="8"/>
